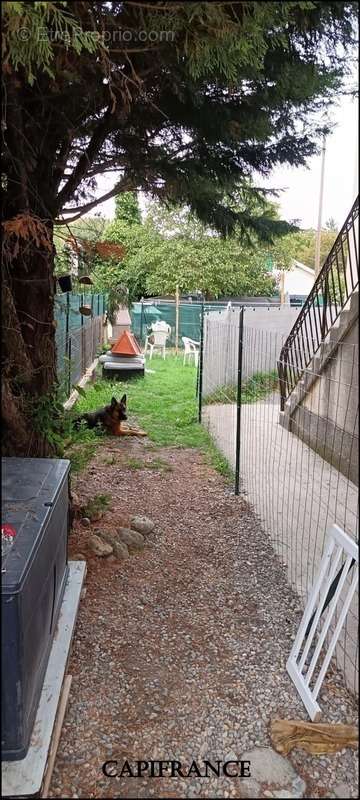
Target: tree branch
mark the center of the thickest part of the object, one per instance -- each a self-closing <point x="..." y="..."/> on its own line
<point x="85" y="160"/>
<point x="126" y="185"/>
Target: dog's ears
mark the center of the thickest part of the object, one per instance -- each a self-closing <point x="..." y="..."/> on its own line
<point x="123" y="400"/>
<point x="113" y="402"/>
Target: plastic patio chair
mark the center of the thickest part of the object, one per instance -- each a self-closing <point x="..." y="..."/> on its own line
<point x="161" y="325"/>
<point x="191" y="349"/>
<point x="156" y="340"/>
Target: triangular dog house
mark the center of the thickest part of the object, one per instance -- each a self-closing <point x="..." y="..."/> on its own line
<point x="126" y="345"/>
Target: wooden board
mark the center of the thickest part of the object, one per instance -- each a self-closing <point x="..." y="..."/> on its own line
<point x="30" y="776"/>
<point x="56" y="734"/>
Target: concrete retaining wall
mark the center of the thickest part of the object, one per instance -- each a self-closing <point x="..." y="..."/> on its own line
<point x="328" y="417"/>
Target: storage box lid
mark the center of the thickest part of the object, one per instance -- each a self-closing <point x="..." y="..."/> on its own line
<point x="30" y="487"/>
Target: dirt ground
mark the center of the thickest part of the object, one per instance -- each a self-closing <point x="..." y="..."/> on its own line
<point x="180" y="650"/>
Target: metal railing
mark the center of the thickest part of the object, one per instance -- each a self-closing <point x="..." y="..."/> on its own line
<point x="336" y="282"/>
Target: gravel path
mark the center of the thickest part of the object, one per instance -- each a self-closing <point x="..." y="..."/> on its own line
<point x="180" y="651"/>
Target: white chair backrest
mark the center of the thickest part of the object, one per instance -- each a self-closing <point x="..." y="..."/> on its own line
<point x="161" y="325"/>
<point x="189" y="344"/>
<point x="160" y="337"/>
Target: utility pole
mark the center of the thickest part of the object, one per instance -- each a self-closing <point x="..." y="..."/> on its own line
<point x="282" y="287"/>
<point x="321" y="198"/>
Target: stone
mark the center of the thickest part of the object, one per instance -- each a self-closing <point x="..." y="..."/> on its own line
<point x="231" y="756"/>
<point x="120" y="548"/>
<point x="107" y="536"/>
<point x="342" y="790"/>
<point x="99" y="547"/>
<point x="132" y="539"/>
<point x="75" y="501"/>
<point x="78" y="557"/>
<point x="250" y="788"/>
<point x="143" y="525"/>
<point x="298" y="787"/>
<point x="268" y="766"/>
<point x="85" y="522"/>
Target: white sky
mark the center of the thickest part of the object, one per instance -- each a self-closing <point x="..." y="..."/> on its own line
<point x="300" y="198"/>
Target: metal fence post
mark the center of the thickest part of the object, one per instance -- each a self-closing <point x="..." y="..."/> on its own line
<point x="92" y="328"/>
<point x="201" y="361"/>
<point x="69" y="367"/>
<point x="67" y="323"/>
<point x="177" y="312"/>
<point x="141" y="322"/>
<point x="81" y="300"/>
<point x="238" y="402"/>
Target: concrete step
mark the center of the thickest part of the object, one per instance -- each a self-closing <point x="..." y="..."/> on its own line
<point x="326" y="346"/>
<point x="354" y="302"/>
<point x="337" y="333"/>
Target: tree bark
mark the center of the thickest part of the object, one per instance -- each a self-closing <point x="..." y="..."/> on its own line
<point x="28" y="346"/>
<point x="28" y="286"/>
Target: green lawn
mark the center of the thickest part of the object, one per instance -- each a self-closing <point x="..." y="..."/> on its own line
<point x="163" y="403"/>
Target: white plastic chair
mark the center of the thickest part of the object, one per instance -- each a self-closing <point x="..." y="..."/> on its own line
<point x="160" y="332"/>
<point x="190" y="349"/>
<point x="161" y="325"/>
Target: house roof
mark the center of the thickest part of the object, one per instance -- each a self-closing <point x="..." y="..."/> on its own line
<point x="304" y="268"/>
<point x="299" y="267"/>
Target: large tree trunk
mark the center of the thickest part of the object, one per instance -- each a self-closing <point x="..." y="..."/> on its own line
<point x="28" y="332"/>
<point x="28" y="338"/>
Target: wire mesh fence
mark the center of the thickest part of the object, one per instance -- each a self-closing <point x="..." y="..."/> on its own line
<point x="297" y="468"/>
<point x="78" y="337"/>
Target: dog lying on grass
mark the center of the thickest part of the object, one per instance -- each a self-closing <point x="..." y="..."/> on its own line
<point x="111" y="418"/>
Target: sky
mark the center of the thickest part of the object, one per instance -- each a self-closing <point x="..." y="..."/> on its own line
<point x="299" y="199"/>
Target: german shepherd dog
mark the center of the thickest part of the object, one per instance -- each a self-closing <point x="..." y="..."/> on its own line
<point x="110" y="418"/>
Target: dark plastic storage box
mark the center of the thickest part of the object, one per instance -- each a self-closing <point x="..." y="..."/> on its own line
<point x="34" y="571"/>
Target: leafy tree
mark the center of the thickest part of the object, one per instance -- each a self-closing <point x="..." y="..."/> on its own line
<point x="208" y="95"/>
<point x="211" y="265"/>
<point x="67" y="242"/>
<point x="127" y="208"/>
<point x="303" y="245"/>
<point x="172" y="248"/>
<point x="110" y="273"/>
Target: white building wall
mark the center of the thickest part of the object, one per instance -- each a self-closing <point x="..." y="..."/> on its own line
<point x="297" y="281"/>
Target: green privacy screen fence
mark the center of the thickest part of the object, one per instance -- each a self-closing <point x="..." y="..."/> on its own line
<point x="78" y="337"/>
<point x="144" y="314"/>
